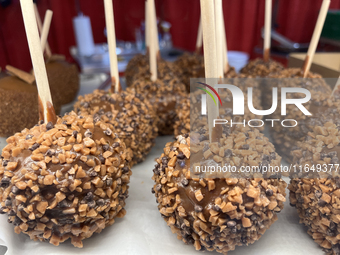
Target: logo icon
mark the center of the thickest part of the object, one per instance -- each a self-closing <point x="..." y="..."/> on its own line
<point x="209" y="93"/>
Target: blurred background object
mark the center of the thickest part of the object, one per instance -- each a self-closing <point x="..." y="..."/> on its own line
<point x="5" y="3"/>
<point x="3" y="250"/>
<point x="326" y="64"/>
<point x="83" y="32"/>
<point x="331" y="31"/>
<point x="294" y="21"/>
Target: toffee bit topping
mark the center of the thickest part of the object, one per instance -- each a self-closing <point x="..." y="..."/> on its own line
<point x="213" y="213"/>
<point x="61" y="169"/>
<point x="127" y="116"/>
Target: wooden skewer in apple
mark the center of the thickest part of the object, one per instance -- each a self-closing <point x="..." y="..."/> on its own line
<point x="267" y="30"/>
<point x="336" y="89"/>
<point x="316" y="37"/>
<point x="199" y="40"/>
<point x="111" y="40"/>
<point x="262" y="67"/>
<point x="45" y="31"/>
<point x="62" y="75"/>
<point x="160" y="86"/>
<point x="20" y="84"/>
<point x="46" y="109"/>
<point x="153" y="40"/>
<point x="225" y="47"/>
<point x="49" y="146"/>
<point x="219" y="38"/>
<point x="319" y="91"/>
<point x="128" y="113"/>
<point x="210" y="63"/>
<point x="191" y="65"/>
<point x="27" y="77"/>
<point x="40" y="27"/>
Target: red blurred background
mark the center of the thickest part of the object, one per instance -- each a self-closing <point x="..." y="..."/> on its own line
<point x="243" y="21"/>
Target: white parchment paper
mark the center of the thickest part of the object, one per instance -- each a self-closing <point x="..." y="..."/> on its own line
<point x="143" y="231"/>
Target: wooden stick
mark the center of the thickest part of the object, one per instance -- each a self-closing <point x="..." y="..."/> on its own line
<point x="199" y="40"/>
<point x="225" y="48"/>
<point x="111" y="40"/>
<point x="45" y="100"/>
<point x="153" y="41"/>
<point x="209" y="45"/>
<point x="336" y="87"/>
<point x="39" y="23"/>
<point x="267" y="30"/>
<point x="219" y="38"/>
<point x="26" y="77"/>
<point x="315" y="38"/>
<point x="155" y="27"/>
<point x="46" y="29"/>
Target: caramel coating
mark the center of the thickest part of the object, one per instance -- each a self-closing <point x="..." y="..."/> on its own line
<point x="222" y="213"/>
<point x="288" y="74"/>
<point x="317" y="203"/>
<point x="67" y="180"/>
<point x="286" y="138"/>
<point x="63" y="78"/>
<point x="192" y="66"/>
<point x="163" y="94"/>
<point x="18" y="105"/>
<point x="317" y="199"/>
<point x="259" y="68"/>
<point x="139" y="67"/>
<point x="320" y="146"/>
<point x="130" y="115"/>
<point x="137" y="62"/>
<point x="182" y="120"/>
